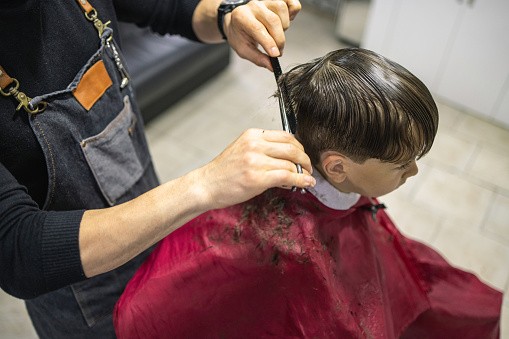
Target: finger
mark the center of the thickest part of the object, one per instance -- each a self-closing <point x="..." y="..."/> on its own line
<point x="272" y="164"/>
<point x="280" y="14"/>
<point x="274" y="136"/>
<point x="253" y="54"/>
<point x="280" y="146"/>
<point x="255" y="33"/>
<point x="294" y="8"/>
<point x="276" y="19"/>
<point x="286" y="179"/>
<point x="290" y="155"/>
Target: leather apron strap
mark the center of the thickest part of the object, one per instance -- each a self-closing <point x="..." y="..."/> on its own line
<point x="85" y="6"/>
<point x="91" y="15"/>
<point x="5" y="79"/>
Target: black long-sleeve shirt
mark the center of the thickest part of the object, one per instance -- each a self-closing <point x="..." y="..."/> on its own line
<point x="43" y="44"/>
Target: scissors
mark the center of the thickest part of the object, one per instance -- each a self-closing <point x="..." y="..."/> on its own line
<point x="287" y="116"/>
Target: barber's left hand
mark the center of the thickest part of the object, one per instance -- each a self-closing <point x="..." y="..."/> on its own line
<point x="260" y="23"/>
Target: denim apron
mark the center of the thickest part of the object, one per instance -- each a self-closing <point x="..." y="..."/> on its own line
<point x="97" y="156"/>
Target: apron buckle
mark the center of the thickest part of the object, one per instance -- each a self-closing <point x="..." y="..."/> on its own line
<point x="23" y="99"/>
<point x="99" y="25"/>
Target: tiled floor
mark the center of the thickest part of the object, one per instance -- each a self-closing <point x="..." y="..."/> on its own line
<point x="459" y="202"/>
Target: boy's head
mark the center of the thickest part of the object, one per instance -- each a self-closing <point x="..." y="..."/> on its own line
<point x="362" y="119"/>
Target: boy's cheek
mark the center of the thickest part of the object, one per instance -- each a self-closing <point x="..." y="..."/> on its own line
<point x="388" y="188"/>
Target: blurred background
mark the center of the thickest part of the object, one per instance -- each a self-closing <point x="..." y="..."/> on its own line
<point x="457" y="204"/>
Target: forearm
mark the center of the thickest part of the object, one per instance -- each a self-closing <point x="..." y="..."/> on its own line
<point x="111" y="237"/>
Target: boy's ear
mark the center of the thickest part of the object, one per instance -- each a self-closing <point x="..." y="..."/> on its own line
<point x="333" y="166"/>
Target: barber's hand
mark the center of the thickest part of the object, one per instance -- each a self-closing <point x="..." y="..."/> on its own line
<point x="260" y="23"/>
<point x="256" y="161"/>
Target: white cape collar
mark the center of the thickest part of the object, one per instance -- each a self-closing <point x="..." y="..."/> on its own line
<point x="330" y="196"/>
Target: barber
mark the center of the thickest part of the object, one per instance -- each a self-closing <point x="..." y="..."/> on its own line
<point x="80" y="204"/>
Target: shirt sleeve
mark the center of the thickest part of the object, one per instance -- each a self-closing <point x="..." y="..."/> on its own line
<point x="162" y="16"/>
<point x="39" y="250"/>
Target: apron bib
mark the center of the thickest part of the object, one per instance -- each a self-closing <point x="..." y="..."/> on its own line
<point x="104" y="144"/>
<point x="92" y="137"/>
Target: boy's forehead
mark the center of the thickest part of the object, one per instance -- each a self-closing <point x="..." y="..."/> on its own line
<point x="373" y="167"/>
<point x="379" y="162"/>
<point x="374" y="162"/>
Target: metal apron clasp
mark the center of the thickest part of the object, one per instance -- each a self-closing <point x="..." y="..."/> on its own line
<point x="23" y="99"/>
<point x="98" y="24"/>
<point x="91" y="15"/>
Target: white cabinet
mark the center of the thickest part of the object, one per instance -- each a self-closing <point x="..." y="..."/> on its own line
<point x="458" y="48"/>
<point x="502" y="108"/>
<point x="414" y="33"/>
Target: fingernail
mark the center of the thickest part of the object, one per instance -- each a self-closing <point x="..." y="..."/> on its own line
<point x="274" y="51"/>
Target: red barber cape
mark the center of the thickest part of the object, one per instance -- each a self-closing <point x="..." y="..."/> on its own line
<point x="283" y="265"/>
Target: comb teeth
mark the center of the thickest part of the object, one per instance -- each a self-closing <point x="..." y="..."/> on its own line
<point x="276" y="67"/>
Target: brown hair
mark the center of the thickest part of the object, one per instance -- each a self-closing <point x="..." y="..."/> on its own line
<point x="363" y="105"/>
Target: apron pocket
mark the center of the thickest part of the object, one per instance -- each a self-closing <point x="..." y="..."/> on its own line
<point x="98" y="295"/>
<point x="112" y="155"/>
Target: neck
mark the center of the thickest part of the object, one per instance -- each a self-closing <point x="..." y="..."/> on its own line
<point x="330" y="195"/>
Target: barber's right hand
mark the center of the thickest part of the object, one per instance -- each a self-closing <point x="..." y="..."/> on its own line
<point x="256" y="161"/>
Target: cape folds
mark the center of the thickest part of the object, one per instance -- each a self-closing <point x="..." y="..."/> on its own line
<point x="283" y="265"/>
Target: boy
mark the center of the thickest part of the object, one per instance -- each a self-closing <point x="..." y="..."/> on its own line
<point x="330" y="263"/>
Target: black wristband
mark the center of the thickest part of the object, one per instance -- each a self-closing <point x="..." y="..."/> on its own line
<point x="220" y="24"/>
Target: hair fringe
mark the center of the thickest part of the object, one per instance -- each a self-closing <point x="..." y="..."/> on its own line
<point x="363" y="105"/>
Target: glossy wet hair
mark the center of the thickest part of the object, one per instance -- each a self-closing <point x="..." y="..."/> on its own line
<point x="363" y="105"/>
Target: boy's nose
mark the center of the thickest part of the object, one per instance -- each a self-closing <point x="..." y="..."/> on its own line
<point x="412" y="170"/>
